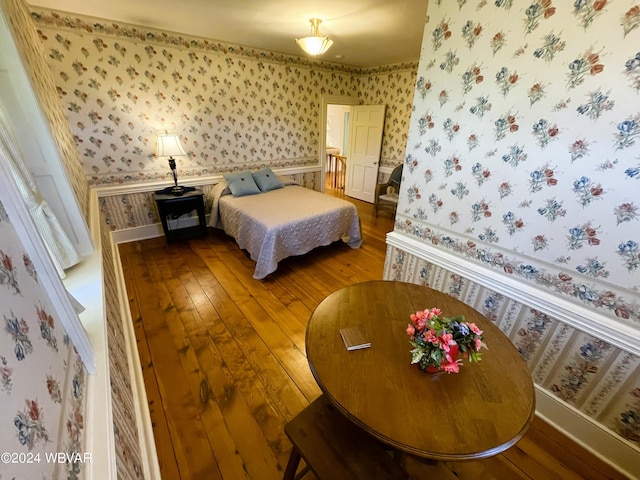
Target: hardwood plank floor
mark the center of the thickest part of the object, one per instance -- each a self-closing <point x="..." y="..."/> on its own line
<point x="224" y="364"/>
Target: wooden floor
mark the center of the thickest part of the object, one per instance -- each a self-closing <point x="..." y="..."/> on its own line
<point x="224" y="364"/>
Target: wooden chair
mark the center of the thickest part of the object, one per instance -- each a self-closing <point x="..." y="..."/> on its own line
<point x="387" y="193"/>
<point x="334" y="448"/>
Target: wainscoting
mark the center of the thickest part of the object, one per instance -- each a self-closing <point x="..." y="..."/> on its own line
<point x="582" y="371"/>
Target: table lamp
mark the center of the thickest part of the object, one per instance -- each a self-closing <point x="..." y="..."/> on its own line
<point x="168" y="145"/>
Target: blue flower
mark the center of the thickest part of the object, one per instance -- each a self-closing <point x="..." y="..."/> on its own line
<point x="527" y="270"/>
<point x="579" y="5"/>
<point x="587" y="350"/>
<point x="630" y="418"/>
<point x="581" y="183"/>
<point x="627" y="127"/>
<point x="536" y="175"/>
<point x="576" y="232"/>
<point x="583" y="109"/>
<point x="490" y="303"/>
<point x="584" y="293"/>
<point x="463" y="329"/>
<point x="632" y="172"/>
<point x="632" y="64"/>
<point x="23" y="429"/>
<point x="19" y="351"/>
<point x="577" y="65"/>
<point x="77" y="391"/>
<point x="533" y="10"/>
<point x="540" y="125"/>
<point x="629" y="247"/>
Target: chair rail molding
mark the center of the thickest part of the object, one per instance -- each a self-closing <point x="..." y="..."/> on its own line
<point x="146" y="187"/>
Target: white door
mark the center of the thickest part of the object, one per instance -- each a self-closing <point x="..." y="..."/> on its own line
<point x="363" y="158"/>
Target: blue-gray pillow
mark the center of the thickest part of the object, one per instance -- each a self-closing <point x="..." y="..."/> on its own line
<point x="241" y="184"/>
<point x="266" y="180"/>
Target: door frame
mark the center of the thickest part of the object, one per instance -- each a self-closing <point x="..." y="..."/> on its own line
<point x="325" y="101"/>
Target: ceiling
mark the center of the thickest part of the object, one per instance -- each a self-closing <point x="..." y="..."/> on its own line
<point x="366" y="33"/>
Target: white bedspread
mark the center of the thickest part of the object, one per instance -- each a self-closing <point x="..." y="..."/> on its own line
<point x="288" y="221"/>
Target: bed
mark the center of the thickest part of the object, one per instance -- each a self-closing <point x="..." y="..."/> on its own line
<point x="285" y="221"/>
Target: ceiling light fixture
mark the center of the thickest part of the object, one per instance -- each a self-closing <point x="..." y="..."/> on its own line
<point x="315" y="44"/>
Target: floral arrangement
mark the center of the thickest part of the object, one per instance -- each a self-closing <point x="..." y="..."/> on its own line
<point x="438" y="341"/>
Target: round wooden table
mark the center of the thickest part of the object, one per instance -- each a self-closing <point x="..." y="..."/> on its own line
<point x="479" y="412"/>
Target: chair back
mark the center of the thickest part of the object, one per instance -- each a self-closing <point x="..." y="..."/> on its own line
<point x="396" y="175"/>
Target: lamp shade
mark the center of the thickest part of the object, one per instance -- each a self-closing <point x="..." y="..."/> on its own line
<point x="315" y="44"/>
<point x="169" y="145"/>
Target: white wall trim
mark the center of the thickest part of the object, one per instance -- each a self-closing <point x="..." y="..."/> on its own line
<point x="86" y="284"/>
<point x="148" y="453"/>
<point x="608" y="447"/>
<point x="48" y="276"/>
<point x="618" y="333"/>
<point x="143" y="232"/>
<point x="145" y="187"/>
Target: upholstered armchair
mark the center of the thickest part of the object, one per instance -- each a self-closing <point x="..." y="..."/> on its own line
<point x="387" y="193"/>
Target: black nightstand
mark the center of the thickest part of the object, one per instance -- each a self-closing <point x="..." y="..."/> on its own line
<point x="171" y="206"/>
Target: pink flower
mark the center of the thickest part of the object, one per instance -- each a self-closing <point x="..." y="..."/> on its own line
<point x="34" y="410"/>
<point x="411" y="331"/>
<point x="430" y="336"/>
<point x="446" y="340"/>
<point x="452" y="367"/>
<point x="474" y="328"/>
<point x="478" y="343"/>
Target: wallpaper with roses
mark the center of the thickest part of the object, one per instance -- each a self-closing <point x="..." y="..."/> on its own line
<point x="523" y="151"/>
<point x="233" y="107"/>
<point x="42" y="378"/>
<point x="523" y="157"/>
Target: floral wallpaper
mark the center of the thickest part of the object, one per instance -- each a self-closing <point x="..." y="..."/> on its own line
<point x="42" y="82"/>
<point x="523" y="146"/>
<point x="42" y="378"/>
<point x="125" y="424"/>
<point x="599" y="379"/>
<point x="233" y="107"/>
<point x="523" y="157"/>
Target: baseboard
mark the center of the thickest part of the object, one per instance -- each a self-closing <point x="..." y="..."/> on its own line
<point x="148" y="453"/>
<point x="602" y="443"/>
<point x="137" y="233"/>
<point x="150" y="231"/>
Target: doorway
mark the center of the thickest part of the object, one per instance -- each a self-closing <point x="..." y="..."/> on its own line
<point x="337" y="145"/>
<point x="334" y="135"/>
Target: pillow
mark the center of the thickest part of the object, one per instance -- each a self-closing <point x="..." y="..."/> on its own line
<point x="241" y="184"/>
<point x="266" y="180"/>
